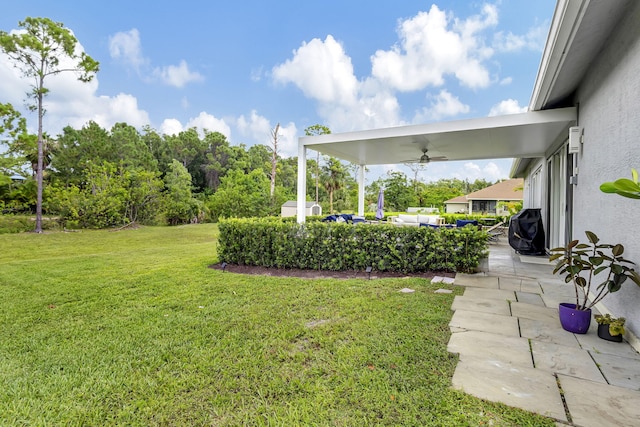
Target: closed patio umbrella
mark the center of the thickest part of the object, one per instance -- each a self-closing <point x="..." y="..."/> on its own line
<point x="380" y="210"/>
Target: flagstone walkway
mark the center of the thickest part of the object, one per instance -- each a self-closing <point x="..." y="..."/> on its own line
<point x="513" y="350"/>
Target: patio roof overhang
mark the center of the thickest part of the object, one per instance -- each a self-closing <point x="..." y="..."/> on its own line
<point x="525" y="135"/>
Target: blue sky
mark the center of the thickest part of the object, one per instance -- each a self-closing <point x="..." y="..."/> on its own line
<point x="241" y="67"/>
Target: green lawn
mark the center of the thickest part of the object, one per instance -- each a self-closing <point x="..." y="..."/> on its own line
<point x="131" y="328"/>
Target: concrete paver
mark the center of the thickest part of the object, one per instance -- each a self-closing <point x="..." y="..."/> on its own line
<point x="510" y="283"/>
<point x="596" y="404"/>
<point x="530" y="298"/>
<point x="600" y="380"/>
<point x="531" y="286"/>
<point x="483" y="305"/>
<point x="590" y="341"/>
<point x="618" y="370"/>
<point x="572" y="361"/>
<point x="490" y="293"/>
<point x="493" y="347"/>
<point x="487" y="322"/>
<point x="527" y="388"/>
<point x="547" y="331"/>
<point x="476" y="281"/>
<point x="534" y="312"/>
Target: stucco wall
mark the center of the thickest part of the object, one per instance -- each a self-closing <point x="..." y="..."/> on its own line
<point x="453" y="208"/>
<point x="609" y="112"/>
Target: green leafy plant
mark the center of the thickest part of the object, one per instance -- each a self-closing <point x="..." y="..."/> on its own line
<point x="269" y="242"/>
<point x="624" y="187"/>
<point x="581" y="262"/>
<point x="616" y="324"/>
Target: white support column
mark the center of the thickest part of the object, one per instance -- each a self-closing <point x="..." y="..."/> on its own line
<point x="361" y="188"/>
<point x="302" y="183"/>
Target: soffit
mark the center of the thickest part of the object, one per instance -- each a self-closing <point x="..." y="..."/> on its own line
<point x="516" y="135"/>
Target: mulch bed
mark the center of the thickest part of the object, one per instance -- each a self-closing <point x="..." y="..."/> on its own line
<point x="323" y="274"/>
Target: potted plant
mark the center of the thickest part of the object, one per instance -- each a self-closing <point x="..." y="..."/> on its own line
<point x="610" y="328"/>
<point x="580" y="263"/>
<point x="624" y="187"/>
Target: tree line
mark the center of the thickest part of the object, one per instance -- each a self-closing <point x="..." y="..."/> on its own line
<point x="96" y="177"/>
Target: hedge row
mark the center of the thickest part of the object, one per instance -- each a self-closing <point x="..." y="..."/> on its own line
<point x="338" y="246"/>
<point x="449" y="218"/>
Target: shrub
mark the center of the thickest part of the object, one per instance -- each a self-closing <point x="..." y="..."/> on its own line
<point x="269" y="242"/>
<point x="24" y="223"/>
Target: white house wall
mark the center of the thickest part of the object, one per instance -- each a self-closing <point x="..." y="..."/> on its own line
<point x="609" y="113"/>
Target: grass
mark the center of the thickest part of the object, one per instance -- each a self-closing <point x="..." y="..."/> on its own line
<point x="132" y="328"/>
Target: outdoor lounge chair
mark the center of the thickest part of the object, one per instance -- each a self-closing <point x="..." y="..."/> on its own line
<point x="495" y="231"/>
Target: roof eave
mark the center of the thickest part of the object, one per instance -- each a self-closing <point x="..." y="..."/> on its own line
<point x="564" y="25"/>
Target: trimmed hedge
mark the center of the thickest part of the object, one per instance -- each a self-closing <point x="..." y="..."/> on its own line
<point x="333" y="246"/>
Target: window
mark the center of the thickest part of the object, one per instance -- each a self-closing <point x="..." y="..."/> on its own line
<point x="484" y="206"/>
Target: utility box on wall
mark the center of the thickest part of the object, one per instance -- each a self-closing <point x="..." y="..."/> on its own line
<point x="575" y="137"/>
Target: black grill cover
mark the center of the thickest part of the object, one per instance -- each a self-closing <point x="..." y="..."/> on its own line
<point x="526" y="234"/>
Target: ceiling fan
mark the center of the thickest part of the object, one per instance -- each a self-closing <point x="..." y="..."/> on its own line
<point x="425" y="158"/>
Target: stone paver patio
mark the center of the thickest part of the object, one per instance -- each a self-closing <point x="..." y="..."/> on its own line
<point x="513" y="350"/>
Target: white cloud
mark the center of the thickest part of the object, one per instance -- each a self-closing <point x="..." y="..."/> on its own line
<point x="211" y="123"/>
<point x="442" y="105"/>
<point x="255" y="126"/>
<point x="432" y="46"/>
<point x="506" y="81"/>
<point x="126" y="46"/>
<point x="203" y="121"/>
<point x="171" y="127"/>
<point x="177" y="76"/>
<point x="533" y="40"/>
<point x="508" y="106"/>
<point x="322" y="70"/>
<point x="488" y="170"/>
<point x="69" y="101"/>
<point x="288" y="140"/>
<point x="256" y="74"/>
<point x="376" y="107"/>
<point x="259" y="129"/>
<point x="12" y="87"/>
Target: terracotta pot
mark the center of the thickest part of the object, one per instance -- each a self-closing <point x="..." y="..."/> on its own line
<point x="572" y="320"/>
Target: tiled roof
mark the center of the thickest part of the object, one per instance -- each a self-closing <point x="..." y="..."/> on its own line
<point x="504" y="190"/>
<point x="459" y="199"/>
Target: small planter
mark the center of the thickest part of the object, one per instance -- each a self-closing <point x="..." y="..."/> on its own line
<point x="603" y="332"/>
<point x="572" y="320"/>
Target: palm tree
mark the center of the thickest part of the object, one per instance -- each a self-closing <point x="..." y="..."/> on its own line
<point x="334" y="174"/>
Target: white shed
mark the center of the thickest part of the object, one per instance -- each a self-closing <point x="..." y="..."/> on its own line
<point x="289" y="209"/>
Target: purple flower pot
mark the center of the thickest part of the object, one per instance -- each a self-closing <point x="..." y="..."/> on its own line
<point x="572" y="320"/>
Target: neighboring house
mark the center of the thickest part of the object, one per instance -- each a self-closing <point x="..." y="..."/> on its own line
<point x="289" y="208"/>
<point x="458" y="204"/>
<point x="591" y="62"/>
<point x="487" y="200"/>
